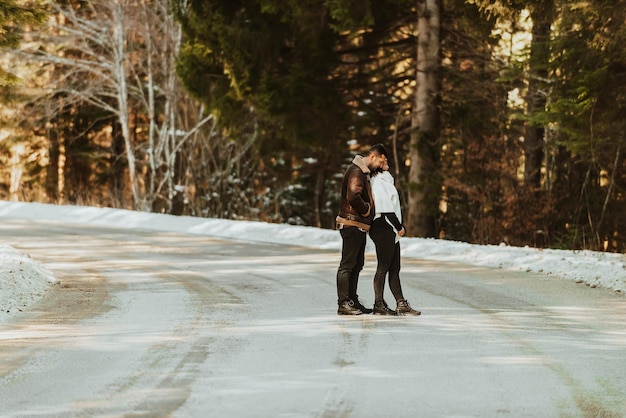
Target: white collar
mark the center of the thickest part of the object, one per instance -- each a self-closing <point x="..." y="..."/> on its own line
<point x="385" y="176"/>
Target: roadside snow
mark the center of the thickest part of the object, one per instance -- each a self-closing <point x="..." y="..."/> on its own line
<point x="24" y="281"/>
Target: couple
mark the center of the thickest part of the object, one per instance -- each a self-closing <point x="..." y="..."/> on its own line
<point x="375" y="208"/>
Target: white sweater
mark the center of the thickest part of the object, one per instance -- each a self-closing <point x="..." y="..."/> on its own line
<point x="386" y="198"/>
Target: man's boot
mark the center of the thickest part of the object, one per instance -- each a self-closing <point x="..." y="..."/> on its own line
<point x="347" y="308"/>
<point x="359" y="306"/>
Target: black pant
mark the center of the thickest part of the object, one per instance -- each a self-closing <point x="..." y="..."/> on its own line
<point x="388" y="254"/>
<point x="352" y="261"/>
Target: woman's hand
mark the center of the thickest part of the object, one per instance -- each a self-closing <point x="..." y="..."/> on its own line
<point x="402" y="232"/>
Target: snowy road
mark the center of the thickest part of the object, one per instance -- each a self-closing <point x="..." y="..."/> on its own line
<point x="162" y="324"/>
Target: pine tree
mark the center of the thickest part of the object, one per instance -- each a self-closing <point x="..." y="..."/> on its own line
<point x="14" y="16"/>
<point x="296" y="68"/>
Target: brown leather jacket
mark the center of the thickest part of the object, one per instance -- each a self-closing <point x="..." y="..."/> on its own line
<point x="356" y="207"/>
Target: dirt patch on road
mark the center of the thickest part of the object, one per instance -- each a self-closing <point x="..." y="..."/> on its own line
<point x="73" y="300"/>
<point x="65" y="304"/>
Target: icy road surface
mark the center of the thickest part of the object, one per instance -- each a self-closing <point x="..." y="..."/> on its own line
<point x="163" y="324"/>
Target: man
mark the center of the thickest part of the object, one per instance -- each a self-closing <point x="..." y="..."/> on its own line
<point x="356" y="212"/>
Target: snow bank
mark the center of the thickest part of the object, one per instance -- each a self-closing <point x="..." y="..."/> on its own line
<point x="23" y="281"/>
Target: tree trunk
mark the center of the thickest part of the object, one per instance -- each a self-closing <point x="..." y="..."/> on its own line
<point x="541" y="14"/>
<point x="52" y="169"/>
<point x="422" y="205"/>
<point x="122" y="101"/>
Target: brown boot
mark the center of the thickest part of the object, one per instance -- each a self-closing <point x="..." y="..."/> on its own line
<point x="404" y="308"/>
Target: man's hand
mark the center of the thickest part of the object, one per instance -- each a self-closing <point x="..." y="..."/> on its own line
<point x="402" y="232"/>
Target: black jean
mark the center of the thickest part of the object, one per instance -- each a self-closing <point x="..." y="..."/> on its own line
<point x="388" y="255"/>
<point x="352" y="261"/>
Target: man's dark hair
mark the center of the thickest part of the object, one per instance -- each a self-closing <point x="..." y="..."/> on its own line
<point x="379" y="148"/>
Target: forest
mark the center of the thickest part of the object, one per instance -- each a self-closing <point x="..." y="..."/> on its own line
<point x="503" y="119"/>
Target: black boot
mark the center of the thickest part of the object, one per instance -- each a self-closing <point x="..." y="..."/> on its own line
<point x="381" y="308"/>
<point x="347" y="308"/>
<point x="359" y="306"/>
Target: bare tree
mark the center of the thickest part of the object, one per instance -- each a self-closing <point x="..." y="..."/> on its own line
<point x="120" y="57"/>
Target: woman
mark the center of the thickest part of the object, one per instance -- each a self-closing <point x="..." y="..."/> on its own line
<point x="386" y="231"/>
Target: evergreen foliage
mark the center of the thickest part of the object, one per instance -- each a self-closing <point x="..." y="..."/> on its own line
<point x="15" y="16"/>
<point x="303" y="73"/>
